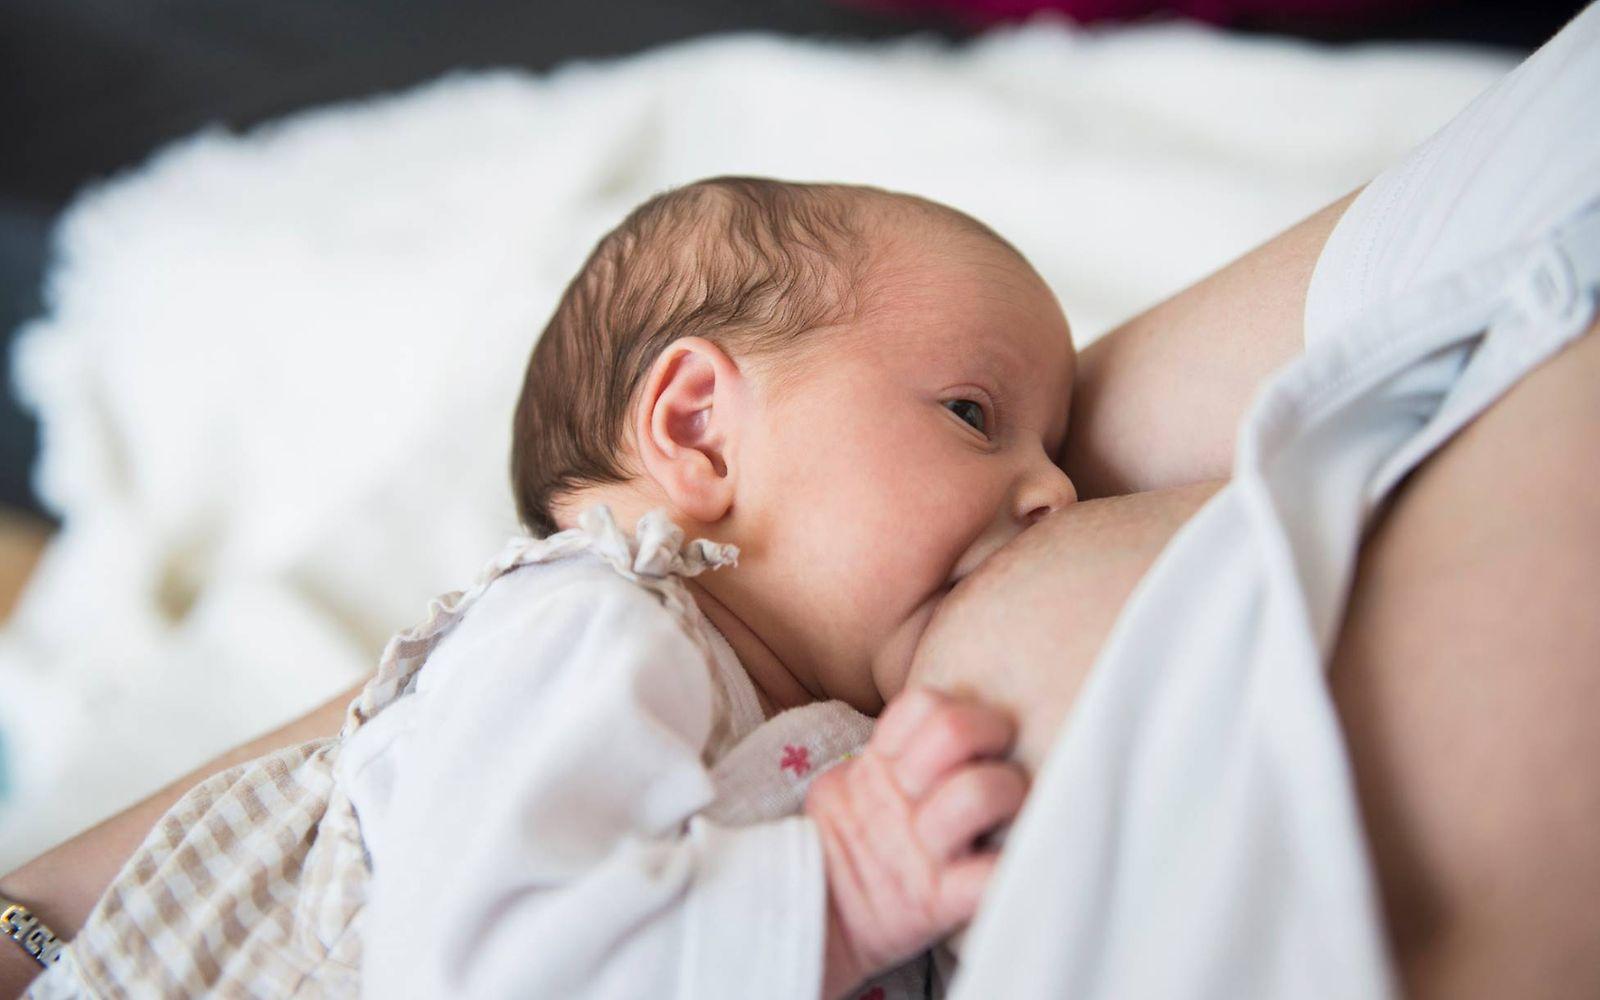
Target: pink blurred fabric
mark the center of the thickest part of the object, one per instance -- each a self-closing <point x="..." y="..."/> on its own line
<point x="985" y="12"/>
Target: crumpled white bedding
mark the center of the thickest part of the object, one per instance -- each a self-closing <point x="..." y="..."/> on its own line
<point x="276" y="372"/>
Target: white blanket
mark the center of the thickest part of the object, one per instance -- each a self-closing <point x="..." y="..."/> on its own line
<point x="276" y="373"/>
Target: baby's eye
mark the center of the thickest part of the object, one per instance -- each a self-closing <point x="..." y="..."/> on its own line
<point x="963" y="407"/>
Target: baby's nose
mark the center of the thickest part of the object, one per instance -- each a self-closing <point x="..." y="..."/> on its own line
<point x="1052" y="491"/>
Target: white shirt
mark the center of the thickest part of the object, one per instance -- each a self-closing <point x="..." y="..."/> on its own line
<point x="576" y="800"/>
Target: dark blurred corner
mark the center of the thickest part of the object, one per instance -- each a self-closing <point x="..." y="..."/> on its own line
<point x="1523" y="25"/>
<point x="91" y="86"/>
<point x="1508" y="24"/>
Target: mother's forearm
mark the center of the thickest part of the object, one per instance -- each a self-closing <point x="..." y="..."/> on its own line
<point x="1157" y="401"/>
<point x="62" y="885"/>
<point x="1022" y="631"/>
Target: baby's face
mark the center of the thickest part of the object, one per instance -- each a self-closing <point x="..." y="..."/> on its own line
<point x="918" y="446"/>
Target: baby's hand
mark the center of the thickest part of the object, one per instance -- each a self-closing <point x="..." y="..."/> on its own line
<point x="899" y="825"/>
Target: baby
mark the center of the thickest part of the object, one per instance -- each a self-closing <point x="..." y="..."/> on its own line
<point x="627" y="764"/>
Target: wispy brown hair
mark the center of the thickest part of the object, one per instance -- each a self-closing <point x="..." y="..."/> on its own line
<point x="750" y="264"/>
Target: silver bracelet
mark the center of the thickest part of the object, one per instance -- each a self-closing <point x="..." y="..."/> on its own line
<point x="18" y="923"/>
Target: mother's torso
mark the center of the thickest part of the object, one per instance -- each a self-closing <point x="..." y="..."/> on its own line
<point x="1053" y="594"/>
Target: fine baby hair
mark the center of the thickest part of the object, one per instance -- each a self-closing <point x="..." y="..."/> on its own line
<point x="751" y="264"/>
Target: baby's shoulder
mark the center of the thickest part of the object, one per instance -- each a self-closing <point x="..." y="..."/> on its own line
<point x="533" y="582"/>
<point x="579" y="585"/>
<point x="544" y="610"/>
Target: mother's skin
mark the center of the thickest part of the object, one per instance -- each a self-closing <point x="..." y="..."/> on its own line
<point x="1480" y="797"/>
<point x="1466" y="674"/>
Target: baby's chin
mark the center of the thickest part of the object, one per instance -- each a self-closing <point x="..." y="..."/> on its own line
<point x="892" y="666"/>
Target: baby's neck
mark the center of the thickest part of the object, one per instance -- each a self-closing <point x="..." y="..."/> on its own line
<point x="776" y="688"/>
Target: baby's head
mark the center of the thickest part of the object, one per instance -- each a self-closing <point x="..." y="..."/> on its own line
<point x="861" y="389"/>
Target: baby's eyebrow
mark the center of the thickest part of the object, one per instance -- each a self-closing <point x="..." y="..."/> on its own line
<point x="1003" y="366"/>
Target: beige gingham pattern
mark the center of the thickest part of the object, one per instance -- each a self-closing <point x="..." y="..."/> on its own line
<point x="245" y="888"/>
<point x="253" y="884"/>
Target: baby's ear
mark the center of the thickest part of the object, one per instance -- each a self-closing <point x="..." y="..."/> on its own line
<point x="687" y="419"/>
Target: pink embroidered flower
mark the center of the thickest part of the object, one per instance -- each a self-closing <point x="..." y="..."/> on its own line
<point x="796" y="759"/>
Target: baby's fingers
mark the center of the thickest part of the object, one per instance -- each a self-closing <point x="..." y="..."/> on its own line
<point x="967" y="805"/>
<point x="961" y="886"/>
<point x="924" y="734"/>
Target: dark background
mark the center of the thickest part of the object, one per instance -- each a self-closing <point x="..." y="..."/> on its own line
<point x="91" y="86"/>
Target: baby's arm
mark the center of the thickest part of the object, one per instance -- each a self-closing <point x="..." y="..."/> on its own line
<point x="899" y="826"/>
<point x="542" y="834"/>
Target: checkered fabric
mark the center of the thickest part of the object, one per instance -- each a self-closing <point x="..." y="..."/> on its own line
<point x="249" y="887"/>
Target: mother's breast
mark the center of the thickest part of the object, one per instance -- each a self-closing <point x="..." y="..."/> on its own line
<point x="1022" y="630"/>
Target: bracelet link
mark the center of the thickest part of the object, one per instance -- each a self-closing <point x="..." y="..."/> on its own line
<point x="19" y="924"/>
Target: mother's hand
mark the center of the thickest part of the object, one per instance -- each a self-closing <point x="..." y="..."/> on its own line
<point x="1022" y="631"/>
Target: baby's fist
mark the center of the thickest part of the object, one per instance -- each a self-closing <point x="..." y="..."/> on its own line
<point x="899" y="826"/>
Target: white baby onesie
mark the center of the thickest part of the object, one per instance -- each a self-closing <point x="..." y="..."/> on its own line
<point x="581" y="797"/>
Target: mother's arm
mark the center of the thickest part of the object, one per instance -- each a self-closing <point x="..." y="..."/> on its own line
<point x="1157" y="401"/>
<point x="62" y="885"/>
